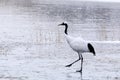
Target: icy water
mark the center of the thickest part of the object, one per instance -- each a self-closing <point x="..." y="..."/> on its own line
<point x="33" y="47"/>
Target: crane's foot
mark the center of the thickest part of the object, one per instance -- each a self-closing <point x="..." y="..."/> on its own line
<point x="68" y="65"/>
<point x="79" y="71"/>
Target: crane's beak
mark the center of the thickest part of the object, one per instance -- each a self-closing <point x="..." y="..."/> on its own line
<point x="59" y="24"/>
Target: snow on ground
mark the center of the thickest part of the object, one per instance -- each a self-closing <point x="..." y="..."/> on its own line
<point x="31" y="50"/>
<point x="21" y="63"/>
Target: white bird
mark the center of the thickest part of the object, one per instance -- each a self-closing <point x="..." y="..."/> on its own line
<point x="79" y="45"/>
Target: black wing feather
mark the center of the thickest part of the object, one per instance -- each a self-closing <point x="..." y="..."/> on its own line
<point x="91" y="48"/>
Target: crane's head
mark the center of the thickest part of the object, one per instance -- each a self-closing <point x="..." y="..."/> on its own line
<point x="66" y="26"/>
<point x="62" y="24"/>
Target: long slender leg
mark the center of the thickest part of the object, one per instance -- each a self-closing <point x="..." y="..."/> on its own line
<point x="74" y="61"/>
<point x="81" y="64"/>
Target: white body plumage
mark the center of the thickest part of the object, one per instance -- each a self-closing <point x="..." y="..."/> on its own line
<point x="77" y="44"/>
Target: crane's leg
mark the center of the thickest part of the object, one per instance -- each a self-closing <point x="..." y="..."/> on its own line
<point x="81" y="64"/>
<point x="74" y="61"/>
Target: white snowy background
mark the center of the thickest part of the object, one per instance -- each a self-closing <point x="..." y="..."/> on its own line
<point x="33" y="47"/>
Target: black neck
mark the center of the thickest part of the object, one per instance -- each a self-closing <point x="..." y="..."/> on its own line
<point x="66" y="27"/>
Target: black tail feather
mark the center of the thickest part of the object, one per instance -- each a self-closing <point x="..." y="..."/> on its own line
<point x="91" y="48"/>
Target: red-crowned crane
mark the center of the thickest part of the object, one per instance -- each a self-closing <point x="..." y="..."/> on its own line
<point x="79" y="45"/>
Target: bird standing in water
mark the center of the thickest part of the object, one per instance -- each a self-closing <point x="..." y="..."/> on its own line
<point x="79" y="45"/>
